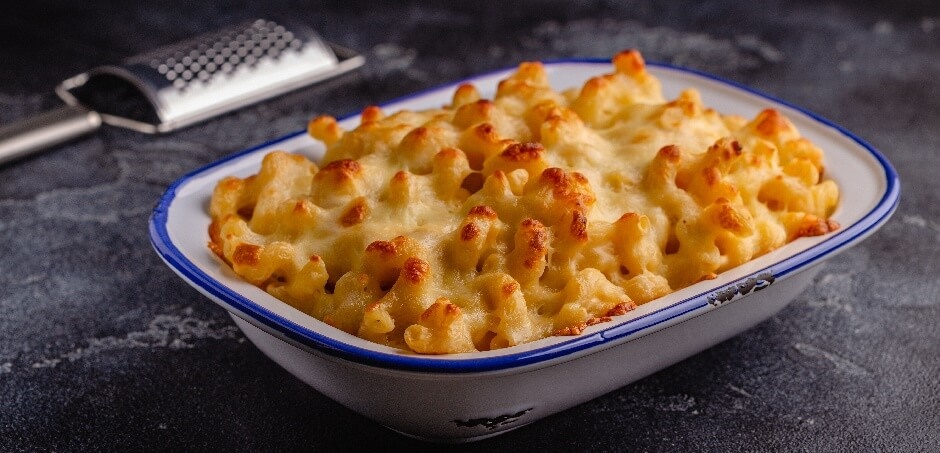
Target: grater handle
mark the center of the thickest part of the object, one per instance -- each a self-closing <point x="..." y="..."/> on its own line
<point x="45" y="130"/>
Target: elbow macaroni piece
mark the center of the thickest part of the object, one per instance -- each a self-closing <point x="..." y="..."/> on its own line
<point x="493" y="222"/>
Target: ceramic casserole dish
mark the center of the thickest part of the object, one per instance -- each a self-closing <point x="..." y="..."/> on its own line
<point x="470" y="396"/>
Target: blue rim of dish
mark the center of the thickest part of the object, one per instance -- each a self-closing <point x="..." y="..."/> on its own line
<point x="277" y="325"/>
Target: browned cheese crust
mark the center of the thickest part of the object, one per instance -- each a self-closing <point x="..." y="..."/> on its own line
<point x="489" y="223"/>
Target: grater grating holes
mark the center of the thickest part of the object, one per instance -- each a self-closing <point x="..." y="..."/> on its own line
<point x="223" y="53"/>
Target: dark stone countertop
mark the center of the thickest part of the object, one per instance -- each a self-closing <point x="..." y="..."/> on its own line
<point x="102" y="347"/>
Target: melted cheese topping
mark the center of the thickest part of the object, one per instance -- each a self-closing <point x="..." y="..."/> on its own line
<point x="490" y="223"/>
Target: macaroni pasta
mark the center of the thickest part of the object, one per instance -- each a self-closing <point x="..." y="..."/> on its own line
<point x="488" y="223"/>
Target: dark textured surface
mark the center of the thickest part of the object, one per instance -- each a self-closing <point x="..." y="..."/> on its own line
<point x="103" y="348"/>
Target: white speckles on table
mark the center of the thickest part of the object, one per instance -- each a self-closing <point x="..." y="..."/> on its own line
<point x="839" y="363"/>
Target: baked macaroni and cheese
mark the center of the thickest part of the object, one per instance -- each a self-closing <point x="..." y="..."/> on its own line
<point x="488" y="223"/>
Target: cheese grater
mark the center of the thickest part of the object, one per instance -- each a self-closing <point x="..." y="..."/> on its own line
<point x="184" y="83"/>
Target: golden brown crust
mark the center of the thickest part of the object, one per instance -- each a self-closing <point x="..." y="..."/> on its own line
<point x="325" y="128"/>
<point x="621" y="309"/>
<point x="383" y="248"/>
<point x="341" y="169"/>
<point x="415" y="270"/>
<point x="523" y="152"/>
<point x="487" y="223"/>
<point x="247" y="255"/>
<point x="469" y="232"/>
<point x="508" y="288"/>
<point x="215" y="239"/>
<point x="771" y="123"/>
<point x="533" y="244"/>
<point x="355" y="213"/>
<point x="482" y="211"/>
<point x="578" y="226"/>
<point x="814" y="226"/>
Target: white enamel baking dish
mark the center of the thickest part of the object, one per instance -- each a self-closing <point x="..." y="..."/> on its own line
<point x="471" y="396"/>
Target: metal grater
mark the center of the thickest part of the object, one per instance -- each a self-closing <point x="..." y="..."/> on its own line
<point x="184" y="83"/>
